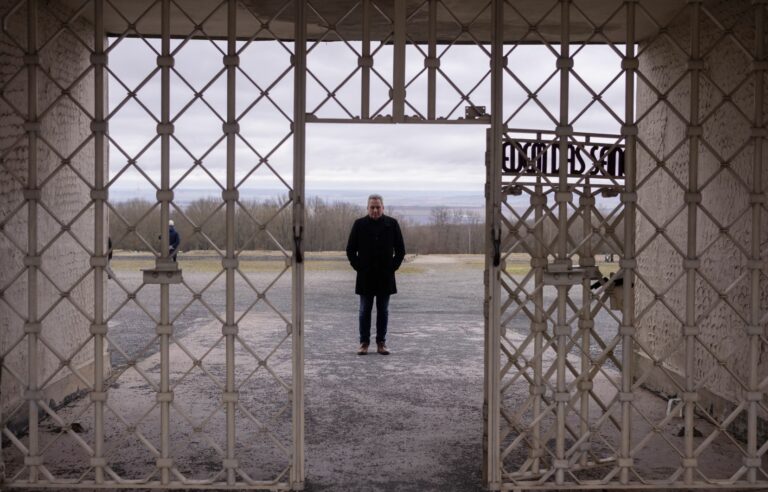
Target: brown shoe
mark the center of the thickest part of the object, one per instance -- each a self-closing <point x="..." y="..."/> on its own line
<point x="381" y="348"/>
<point x="363" y="349"/>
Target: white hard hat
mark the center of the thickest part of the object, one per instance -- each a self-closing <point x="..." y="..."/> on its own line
<point x="170" y="222"/>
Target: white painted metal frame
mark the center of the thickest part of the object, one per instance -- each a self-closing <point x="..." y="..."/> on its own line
<point x="299" y="167"/>
<point x="100" y="256"/>
<point x="569" y="432"/>
<point x="401" y="109"/>
<point x="756" y="386"/>
<point x="103" y="475"/>
<point x="230" y="196"/>
<point x="491" y="404"/>
<point x="33" y="456"/>
<point x="556" y="433"/>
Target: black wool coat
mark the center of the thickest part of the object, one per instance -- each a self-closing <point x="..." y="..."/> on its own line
<point x="375" y="249"/>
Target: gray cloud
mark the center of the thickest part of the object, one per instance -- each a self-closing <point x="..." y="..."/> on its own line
<point x="340" y="155"/>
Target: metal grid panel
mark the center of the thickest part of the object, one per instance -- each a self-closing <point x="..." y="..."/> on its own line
<point x="388" y="74"/>
<point x="249" y="432"/>
<point x="582" y="421"/>
<point x="54" y="171"/>
<point x="572" y="372"/>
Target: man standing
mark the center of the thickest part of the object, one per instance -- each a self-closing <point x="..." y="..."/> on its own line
<point x="375" y="249"/>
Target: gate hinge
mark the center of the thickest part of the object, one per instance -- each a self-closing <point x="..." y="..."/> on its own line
<point x="297" y="237"/>
<point x="496" y="246"/>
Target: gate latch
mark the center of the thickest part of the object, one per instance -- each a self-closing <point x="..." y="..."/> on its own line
<point x="297" y="244"/>
<point x="166" y="271"/>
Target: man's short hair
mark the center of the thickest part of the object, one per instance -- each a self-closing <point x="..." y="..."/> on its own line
<point x="376" y="196"/>
<point x="170" y="223"/>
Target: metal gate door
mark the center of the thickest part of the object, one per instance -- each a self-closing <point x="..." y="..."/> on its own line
<point x="625" y="287"/>
<point x="568" y="355"/>
<point x="221" y="408"/>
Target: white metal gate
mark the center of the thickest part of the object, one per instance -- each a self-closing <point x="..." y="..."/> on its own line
<point x="566" y="363"/>
<point x="246" y="428"/>
<point x="572" y="350"/>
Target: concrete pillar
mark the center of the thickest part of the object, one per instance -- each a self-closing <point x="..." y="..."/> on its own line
<point x="727" y="131"/>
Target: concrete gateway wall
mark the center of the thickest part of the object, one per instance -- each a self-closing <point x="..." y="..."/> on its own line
<point x="723" y="220"/>
<point x="65" y="341"/>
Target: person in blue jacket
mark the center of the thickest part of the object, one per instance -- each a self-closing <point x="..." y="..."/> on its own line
<point x="173" y="240"/>
<point x="375" y="250"/>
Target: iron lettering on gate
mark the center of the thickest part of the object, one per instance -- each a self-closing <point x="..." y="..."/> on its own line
<point x="537" y="157"/>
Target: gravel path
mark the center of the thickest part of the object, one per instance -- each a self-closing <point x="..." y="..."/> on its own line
<point x="410" y="421"/>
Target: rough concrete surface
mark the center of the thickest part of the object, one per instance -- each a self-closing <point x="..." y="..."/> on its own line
<point x="64" y="134"/>
<point x="725" y="297"/>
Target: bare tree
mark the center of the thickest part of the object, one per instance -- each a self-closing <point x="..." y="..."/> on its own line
<point x="134" y="225"/>
<point x="267" y="225"/>
<point x="201" y="225"/>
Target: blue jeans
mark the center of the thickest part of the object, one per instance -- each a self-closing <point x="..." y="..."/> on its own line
<point x="382" y="316"/>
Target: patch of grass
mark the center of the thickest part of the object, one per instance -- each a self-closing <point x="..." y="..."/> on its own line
<point x="517" y="269"/>
<point x="607" y="268"/>
<point x="410" y="269"/>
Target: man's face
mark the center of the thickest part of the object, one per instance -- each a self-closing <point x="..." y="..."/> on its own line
<point x="375" y="209"/>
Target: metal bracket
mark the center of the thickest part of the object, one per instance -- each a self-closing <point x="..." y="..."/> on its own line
<point x="496" y="247"/>
<point x="165" y="272"/>
<point x="297" y="244"/>
<point x="563" y="278"/>
<point x="555" y="275"/>
<point x="511" y="189"/>
<point x="475" y="112"/>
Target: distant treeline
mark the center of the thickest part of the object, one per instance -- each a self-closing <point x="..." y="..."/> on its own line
<point x="266" y="225"/>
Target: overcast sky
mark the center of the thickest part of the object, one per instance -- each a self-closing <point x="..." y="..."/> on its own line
<point x="339" y="156"/>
